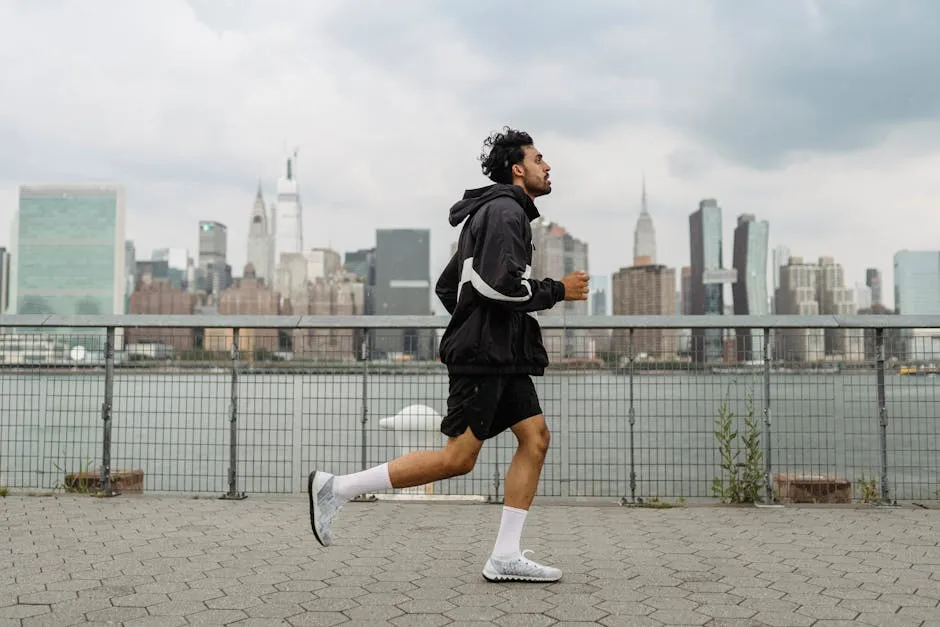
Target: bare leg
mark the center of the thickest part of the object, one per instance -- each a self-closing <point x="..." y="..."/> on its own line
<point x="522" y="479"/>
<point x="458" y="457"/>
<point x="327" y="493"/>
<point x="508" y="562"/>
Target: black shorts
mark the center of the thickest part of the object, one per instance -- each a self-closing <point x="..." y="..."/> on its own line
<point x="489" y="404"/>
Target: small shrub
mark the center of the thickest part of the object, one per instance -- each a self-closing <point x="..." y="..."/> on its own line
<point x="869" y="489"/>
<point x="739" y="482"/>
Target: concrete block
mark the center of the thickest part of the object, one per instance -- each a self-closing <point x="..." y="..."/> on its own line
<point x="812" y="488"/>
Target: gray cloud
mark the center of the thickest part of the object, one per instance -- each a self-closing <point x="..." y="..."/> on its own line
<point x="757" y="82"/>
<point x="188" y="104"/>
<point x="832" y="79"/>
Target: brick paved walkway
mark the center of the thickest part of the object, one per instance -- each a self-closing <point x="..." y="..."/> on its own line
<point x="176" y="561"/>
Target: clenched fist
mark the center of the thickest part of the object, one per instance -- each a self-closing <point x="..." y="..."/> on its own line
<point x="576" y="286"/>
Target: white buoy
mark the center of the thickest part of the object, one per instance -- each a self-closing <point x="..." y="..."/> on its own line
<point x="416" y="427"/>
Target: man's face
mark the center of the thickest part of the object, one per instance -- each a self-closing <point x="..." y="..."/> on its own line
<point x="533" y="172"/>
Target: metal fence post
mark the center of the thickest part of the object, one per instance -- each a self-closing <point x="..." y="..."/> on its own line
<point x="768" y="449"/>
<point x="882" y="411"/>
<point x="106" y="412"/>
<point x="364" y="418"/>
<point x="233" y="493"/>
<point x="632" y="414"/>
<point x="564" y="423"/>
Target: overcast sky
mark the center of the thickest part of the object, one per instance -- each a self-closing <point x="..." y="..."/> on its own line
<point x="822" y="117"/>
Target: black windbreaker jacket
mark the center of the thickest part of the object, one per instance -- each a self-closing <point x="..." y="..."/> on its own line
<point x="487" y="288"/>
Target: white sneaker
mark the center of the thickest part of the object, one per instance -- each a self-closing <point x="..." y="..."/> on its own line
<point x="518" y="568"/>
<point x="323" y="506"/>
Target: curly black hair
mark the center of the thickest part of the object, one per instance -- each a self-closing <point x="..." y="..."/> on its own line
<point x="505" y="150"/>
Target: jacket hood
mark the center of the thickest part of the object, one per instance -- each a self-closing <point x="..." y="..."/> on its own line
<point x="474" y="199"/>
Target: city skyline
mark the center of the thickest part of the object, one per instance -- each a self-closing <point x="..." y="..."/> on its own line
<point x="203" y="100"/>
<point x="644" y="238"/>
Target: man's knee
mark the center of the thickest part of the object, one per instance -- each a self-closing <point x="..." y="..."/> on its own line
<point x="534" y="436"/>
<point x="462" y="454"/>
<point x="460" y="464"/>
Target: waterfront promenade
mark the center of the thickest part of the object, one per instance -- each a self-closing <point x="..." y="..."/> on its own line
<point x="176" y="560"/>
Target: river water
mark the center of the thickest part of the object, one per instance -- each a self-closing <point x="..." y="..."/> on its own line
<point x="176" y="428"/>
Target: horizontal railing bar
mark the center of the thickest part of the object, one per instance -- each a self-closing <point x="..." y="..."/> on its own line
<point x="439" y="322"/>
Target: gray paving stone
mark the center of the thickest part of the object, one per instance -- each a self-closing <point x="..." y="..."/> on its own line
<point x="888" y="620"/>
<point x="373" y="613"/>
<point x="782" y="619"/>
<point x="325" y="619"/>
<point x="116" y="614"/>
<point x="421" y="620"/>
<point x="233" y="602"/>
<point x="180" y="559"/>
<point x="679" y="617"/>
<point x="196" y="594"/>
<point x="273" y="610"/>
<point x="524" y="620"/>
<point x="629" y="621"/>
<point x="139" y="600"/>
<point x="156" y="621"/>
<point x="22" y="611"/>
<point x="826" y="612"/>
<point x="726" y="611"/>
<point x="215" y="617"/>
<point x="473" y="613"/>
<point x="868" y="605"/>
<point x="576" y="613"/>
<point x="176" y="608"/>
<point x="330" y="604"/>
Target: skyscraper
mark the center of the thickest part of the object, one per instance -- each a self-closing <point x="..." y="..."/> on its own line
<point x="403" y="287"/>
<point x="797" y="296"/>
<point x="261" y="242"/>
<point x="917" y="293"/>
<point x="557" y="253"/>
<point x="685" y="291"/>
<point x="362" y="264"/>
<point x="180" y="269"/>
<point x="708" y="280"/>
<point x="288" y="213"/>
<point x="644" y="235"/>
<point x="917" y="282"/>
<point x="835" y="299"/>
<point x="862" y="296"/>
<point x="599" y="295"/>
<point x="130" y="272"/>
<point x="645" y="290"/>
<point x="750" y="291"/>
<point x="781" y="256"/>
<point x="4" y="280"/>
<point x="215" y="273"/>
<point x="873" y="281"/>
<point x="68" y="251"/>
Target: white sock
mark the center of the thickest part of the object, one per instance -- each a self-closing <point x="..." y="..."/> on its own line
<point x="510" y="532"/>
<point x="369" y="480"/>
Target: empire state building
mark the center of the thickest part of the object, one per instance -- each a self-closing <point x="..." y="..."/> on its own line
<point x="644" y="236"/>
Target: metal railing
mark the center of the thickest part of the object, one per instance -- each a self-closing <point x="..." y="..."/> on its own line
<point x="641" y="408"/>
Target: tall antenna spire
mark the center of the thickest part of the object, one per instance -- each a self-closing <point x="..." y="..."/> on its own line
<point x="643" y="208"/>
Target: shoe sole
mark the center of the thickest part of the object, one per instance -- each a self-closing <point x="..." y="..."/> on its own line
<point x="314" y="508"/>
<point x="494" y="578"/>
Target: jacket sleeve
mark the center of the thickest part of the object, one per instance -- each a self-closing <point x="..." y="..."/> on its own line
<point x="499" y="272"/>
<point x="446" y="288"/>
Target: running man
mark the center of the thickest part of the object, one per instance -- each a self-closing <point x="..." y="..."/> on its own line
<point x="492" y="347"/>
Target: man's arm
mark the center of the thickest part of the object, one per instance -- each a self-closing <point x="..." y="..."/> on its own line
<point x="446" y="288"/>
<point x="499" y="270"/>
